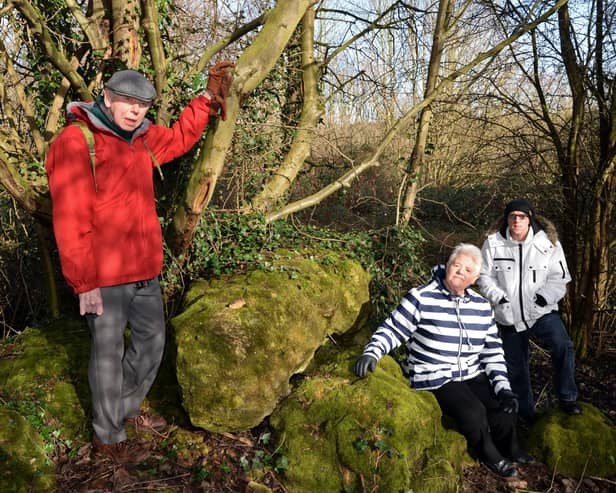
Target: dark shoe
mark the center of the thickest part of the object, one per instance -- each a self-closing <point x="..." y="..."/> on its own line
<point x="571" y="407"/>
<point x="122" y="452"/>
<point x="148" y="423"/>
<point x="503" y="468"/>
<point x="524" y="458"/>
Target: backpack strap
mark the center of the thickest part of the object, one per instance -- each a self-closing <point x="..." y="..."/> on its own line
<point x="154" y="160"/>
<point x="89" y="136"/>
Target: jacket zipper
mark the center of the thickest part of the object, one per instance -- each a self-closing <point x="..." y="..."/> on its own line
<point x="520" y="287"/>
<point x="460" y="340"/>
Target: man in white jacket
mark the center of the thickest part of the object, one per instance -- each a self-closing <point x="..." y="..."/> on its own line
<point x="525" y="275"/>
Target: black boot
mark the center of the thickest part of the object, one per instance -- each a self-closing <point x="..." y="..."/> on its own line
<point x="503" y="468"/>
<point x="571" y="407"/>
<point x="523" y="458"/>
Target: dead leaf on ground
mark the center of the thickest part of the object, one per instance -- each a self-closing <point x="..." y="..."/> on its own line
<point x="237" y="304"/>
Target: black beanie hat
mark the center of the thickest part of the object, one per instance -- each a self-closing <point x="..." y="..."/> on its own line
<point x="521" y="205"/>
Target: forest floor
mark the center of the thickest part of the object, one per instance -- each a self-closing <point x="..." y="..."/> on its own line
<point x="245" y="462"/>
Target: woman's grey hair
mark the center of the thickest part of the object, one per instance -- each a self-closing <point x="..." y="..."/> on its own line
<point x="467" y="249"/>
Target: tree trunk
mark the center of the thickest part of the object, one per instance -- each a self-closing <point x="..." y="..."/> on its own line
<point x="53" y="300"/>
<point x="590" y="292"/>
<point x="416" y="162"/>
<point x="312" y="110"/>
<point x="251" y="68"/>
<point x="126" y="45"/>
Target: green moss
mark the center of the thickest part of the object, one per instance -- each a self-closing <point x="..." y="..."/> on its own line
<point x="341" y="433"/>
<point x="251" y="351"/>
<point x="46" y="379"/>
<point x="25" y="466"/>
<point x="577" y="446"/>
<point x="187" y="448"/>
<point x="64" y="403"/>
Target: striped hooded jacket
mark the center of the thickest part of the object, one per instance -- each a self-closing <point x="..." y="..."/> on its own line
<point x="447" y="337"/>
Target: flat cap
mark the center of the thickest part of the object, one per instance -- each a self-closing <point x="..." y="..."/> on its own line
<point x="132" y="84"/>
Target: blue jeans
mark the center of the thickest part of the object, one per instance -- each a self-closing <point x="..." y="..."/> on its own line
<point x="551" y="332"/>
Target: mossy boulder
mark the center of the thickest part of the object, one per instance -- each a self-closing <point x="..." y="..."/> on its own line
<point x="341" y="433"/>
<point x="25" y="466"/>
<point x="43" y="372"/>
<point x="583" y="445"/>
<point x="240" y="340"/>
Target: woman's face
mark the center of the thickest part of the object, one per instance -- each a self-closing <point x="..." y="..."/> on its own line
<point x="461" y="273"/>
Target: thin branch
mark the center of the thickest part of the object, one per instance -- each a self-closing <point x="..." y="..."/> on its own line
<point x="56" y="57"/>
<point x="410" y="115"/>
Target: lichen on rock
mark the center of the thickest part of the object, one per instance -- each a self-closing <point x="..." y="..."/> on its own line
<point x="582" y="445"/>
<point x="49" y="370"/>
<point x="235" y="359"/>
<point x="341" y="433"/>
<point x="25" y="465"/>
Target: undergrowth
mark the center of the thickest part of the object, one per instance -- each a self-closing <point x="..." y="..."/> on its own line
<point x="227" y="243"/>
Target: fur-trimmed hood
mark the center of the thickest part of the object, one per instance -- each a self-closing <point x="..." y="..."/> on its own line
<point x="538" y="223"/>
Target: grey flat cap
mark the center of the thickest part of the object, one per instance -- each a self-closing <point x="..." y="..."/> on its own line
<point x="132" y="84"/>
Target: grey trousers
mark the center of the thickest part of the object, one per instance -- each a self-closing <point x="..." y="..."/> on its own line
<point x="119" y="376"/>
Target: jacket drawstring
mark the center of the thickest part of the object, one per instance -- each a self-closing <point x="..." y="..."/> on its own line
<point x="462" y="326"/>
<point x="462" y="330"/>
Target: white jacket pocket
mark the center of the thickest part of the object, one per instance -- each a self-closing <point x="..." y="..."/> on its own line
<point x="503" y="313"/>
<point x="536" y="311"/>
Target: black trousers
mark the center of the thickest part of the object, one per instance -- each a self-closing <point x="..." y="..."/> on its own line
<point x="489" y="432"/>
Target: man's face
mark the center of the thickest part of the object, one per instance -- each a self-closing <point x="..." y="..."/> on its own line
<point x="128" y="113"/>
<point x="519" y="224"/>
<point x="461" y="273"/>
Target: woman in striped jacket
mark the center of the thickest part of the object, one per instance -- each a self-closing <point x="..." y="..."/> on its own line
<point x="454" y="352"/>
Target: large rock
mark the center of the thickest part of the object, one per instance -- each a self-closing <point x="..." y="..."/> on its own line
<point x="25" y="465"/>
<point x="43" y="383"/>
<point x="341" y="433"/>
<point x="46" y="371"/>
<point x="240" y="340"/>
<point x="583" y="445"/>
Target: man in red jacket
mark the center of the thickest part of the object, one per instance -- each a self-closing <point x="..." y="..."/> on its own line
<point x="110" y="241"/>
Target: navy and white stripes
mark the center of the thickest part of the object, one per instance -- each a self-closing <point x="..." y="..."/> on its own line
<point x="447" y="337"/>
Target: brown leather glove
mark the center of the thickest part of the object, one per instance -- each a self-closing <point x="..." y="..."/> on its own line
<point x="218" y="85"/>
<point x="217" y="107"/>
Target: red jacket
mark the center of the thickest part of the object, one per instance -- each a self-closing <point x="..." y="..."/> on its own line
<point x="111" y="234"/>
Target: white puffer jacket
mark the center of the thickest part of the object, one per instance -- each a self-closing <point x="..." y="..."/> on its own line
<point x="519" y="271"/>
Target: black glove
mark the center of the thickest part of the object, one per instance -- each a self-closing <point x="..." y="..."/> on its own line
<point x="508" y="401"/>
<point x="540" y="300"/>
<point x="363" y="364"/>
